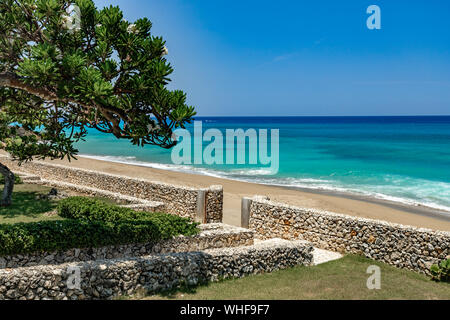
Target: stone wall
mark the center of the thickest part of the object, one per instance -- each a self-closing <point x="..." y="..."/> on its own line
<point x="179" y="200"/>
<point x="134" y="203"/>
<point x="211" y="236"/>
<point x="214" y="204"/>
<point x="402" y="246"/>
<point x="112" y="278"/>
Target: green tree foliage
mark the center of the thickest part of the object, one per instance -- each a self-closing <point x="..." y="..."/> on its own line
<point x="66" y="66"/>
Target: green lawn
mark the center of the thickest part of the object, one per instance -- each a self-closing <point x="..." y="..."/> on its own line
<point x="26" y="207"/>
<point x="342" y="279"/>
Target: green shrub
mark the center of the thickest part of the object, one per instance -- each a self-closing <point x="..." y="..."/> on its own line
<point x="66" y="234"/>
<point x="91" y="223"/>
<point x="441" y="271"/>
<point x="17" y="179"/>
<point x="97" y="210"/>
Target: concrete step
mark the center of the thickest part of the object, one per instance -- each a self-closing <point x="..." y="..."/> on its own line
<point x="27" y="177"/>
<point x="148" y="206"/>
<point x="323" y="256"/>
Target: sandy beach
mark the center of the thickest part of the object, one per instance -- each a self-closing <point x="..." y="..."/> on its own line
<point x="235" y="190"/>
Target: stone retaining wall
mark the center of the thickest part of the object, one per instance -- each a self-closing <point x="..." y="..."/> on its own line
<point x="113" y="278"/>
<point x="178" y="200"/>
<point x="403" y="246"/>
<point x="211" y="236"/>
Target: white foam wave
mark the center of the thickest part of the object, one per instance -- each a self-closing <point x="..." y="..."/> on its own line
<point x="252" y="172"/>
<point x="359" y="191"/>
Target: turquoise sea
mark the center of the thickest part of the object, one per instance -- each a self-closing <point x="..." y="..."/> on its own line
<point x="402" y="159"/>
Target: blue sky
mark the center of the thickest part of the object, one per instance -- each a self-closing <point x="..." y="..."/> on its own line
<point x="303" y="58"/>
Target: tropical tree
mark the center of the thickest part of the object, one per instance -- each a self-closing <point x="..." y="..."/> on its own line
<point x="67" y="67"/>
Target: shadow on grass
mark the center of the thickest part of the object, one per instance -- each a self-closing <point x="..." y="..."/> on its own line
<point x="172" y="293"/>
<point x="175" y="293"/>
<point x="26" y="204"/>
<point x="168" y="294"/>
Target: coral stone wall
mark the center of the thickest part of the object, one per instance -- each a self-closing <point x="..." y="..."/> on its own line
<point x="211" y="236"/>
<point x="177" y="200"/>
<point x="111" y="278"/>
<point x="403" y="246"/>
<point x="214" y="204"/>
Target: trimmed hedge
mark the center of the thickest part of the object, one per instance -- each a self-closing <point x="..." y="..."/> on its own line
<point x="97" y="210"/>
<point x="103" y="226"/>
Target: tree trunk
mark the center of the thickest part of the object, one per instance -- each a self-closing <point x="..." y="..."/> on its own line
<point x="9" y="186"/>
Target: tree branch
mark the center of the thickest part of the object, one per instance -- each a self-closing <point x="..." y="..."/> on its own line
<point x="10" y="80"/>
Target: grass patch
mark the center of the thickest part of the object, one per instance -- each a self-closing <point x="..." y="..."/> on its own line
<point x="26" y="207"/>
<point x="343" y="279"/>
